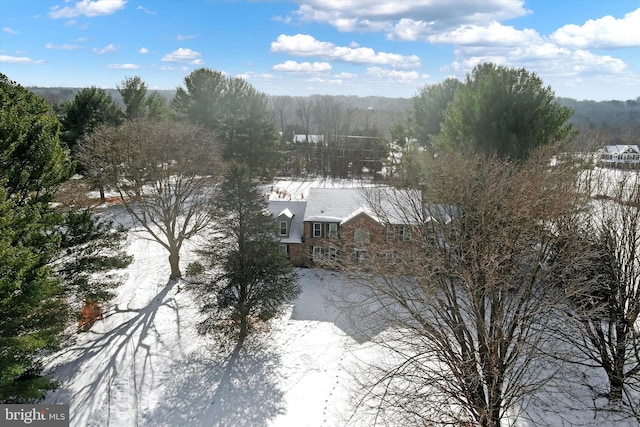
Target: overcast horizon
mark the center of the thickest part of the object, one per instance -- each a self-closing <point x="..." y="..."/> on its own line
<point x="582" y="49"/>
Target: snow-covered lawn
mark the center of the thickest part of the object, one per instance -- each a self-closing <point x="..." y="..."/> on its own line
<point x="145" y="365"/>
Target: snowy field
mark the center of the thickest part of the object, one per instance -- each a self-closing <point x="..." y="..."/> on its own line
<point x="145" y="365"/>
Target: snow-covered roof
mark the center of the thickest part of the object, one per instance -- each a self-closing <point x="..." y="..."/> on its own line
<point x="383" y="204"/>
<point x="286" y="213"/>
<point x="293" y="209"/>
<point x="361" y="210"/>
<point x="442" y="214"/>
<point x="620" y="149"/>
<point x="313" y="139"/>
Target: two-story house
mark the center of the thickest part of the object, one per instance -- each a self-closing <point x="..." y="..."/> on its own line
<point x="356" y="225"/>
<point x="353" y="224"/>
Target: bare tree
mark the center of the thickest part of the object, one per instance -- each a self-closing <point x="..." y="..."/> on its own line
<point x="600" y="274"/>
<point x="164" y="173"/>
<point x="462" y="286"/>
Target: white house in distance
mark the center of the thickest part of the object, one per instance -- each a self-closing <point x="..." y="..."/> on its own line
<point x="619" y="156"/>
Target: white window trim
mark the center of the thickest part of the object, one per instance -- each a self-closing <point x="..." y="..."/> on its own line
<point x="333" y="233"/>
<point x="286" y="228"/>
<point x="319" y="230"/>
<point x="316" y="253"/>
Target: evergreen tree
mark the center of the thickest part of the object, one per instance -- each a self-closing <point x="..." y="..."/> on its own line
<point x="90" y="108"/>
<point x="237" y="112"/>
<point x="245" y="277"/>
<point x="138" y="102"/>
<point x="91" y="252"/>
<point x="429" y="107"/>
<point x="32" y="301"/>
<point x="503" y="111"/>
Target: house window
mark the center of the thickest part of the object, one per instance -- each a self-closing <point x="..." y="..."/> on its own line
<point x="317" y="229"/>
<point x="361" y="236"/>
<point x="406" y="234"/>
<point x="333" y="253"/>
<point x="283" y="228"/>
<point x="391" y="234"/>
<point x="333" y="230"/>
<point x="316" y="253"/>
<point x="359" y="256"/>
<point x="388" y="256"/>
<point x="284" y="250"/>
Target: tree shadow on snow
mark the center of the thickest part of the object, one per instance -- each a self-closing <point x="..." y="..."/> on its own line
<point x="335" y="298"/>
<point x="237" y="389"/>
<point x="120" y="361"/>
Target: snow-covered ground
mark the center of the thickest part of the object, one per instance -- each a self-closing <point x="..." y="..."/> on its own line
<point x="145" y="365"/>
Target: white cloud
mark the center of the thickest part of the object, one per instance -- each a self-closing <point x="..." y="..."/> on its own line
<point x="325" y="81"/>
<point x="345" y="75"/>
<point x="303" y="67"/>
<point x="385" y="15"/>
<point x="494" y="34"/>
<point x="143" y="50"/>
<point x="108" y="48"/>
<point x="603" y="33"/>
<point x="398" y="75"/>
<point x="7" y="59"/>
<point x="558" y="64"/>
<point x="183" y="55"/>
<point x="170" y="68"/>
<point x="145" y="10"/>
<point x="61" y="46"/>
<point x="181" y="37"/>
<point x="87" y="8"/>
<point x="9" y="30"/>
<point x="250" y="75"/>
<point x="123" y="66"/>
<point x="307" y="46"/>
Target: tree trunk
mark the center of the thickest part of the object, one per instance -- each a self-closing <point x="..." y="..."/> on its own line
<point x="102" y="198"/>
<point x="174" y="262"/>
<point x="616" y="385"/>
<point x="244" y="327"/>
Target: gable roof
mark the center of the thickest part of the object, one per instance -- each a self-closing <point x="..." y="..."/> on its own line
<point x="620" y="149"/>
<point x="383" y="204"/>
<point x="293" y="210"/>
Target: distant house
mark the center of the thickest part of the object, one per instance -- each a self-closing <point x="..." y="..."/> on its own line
<point x="304" y="138"/>
<point x="619" y="156"/>
<point x="353" y="225"/>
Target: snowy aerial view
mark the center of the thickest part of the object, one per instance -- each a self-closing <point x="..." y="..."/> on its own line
<point x="145" y="364"/>
<point x="320" y="213"/>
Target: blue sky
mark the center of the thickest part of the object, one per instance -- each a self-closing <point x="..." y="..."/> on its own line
<point x="583" y="49"/>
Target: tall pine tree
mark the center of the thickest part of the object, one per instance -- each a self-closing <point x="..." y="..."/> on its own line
<point x="32" y="299"/>
<point x="245" y="277"/>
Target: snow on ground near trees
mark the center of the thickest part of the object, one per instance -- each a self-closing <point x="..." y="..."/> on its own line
<point x="145" y="365"/>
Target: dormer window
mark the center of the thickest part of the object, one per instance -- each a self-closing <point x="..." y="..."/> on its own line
<point x="284" y="228"/>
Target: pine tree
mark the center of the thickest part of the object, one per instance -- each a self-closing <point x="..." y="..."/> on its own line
<point x="245" y="278"/>
<point x="91" y="253"/>
<point x="32" y="300"/>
